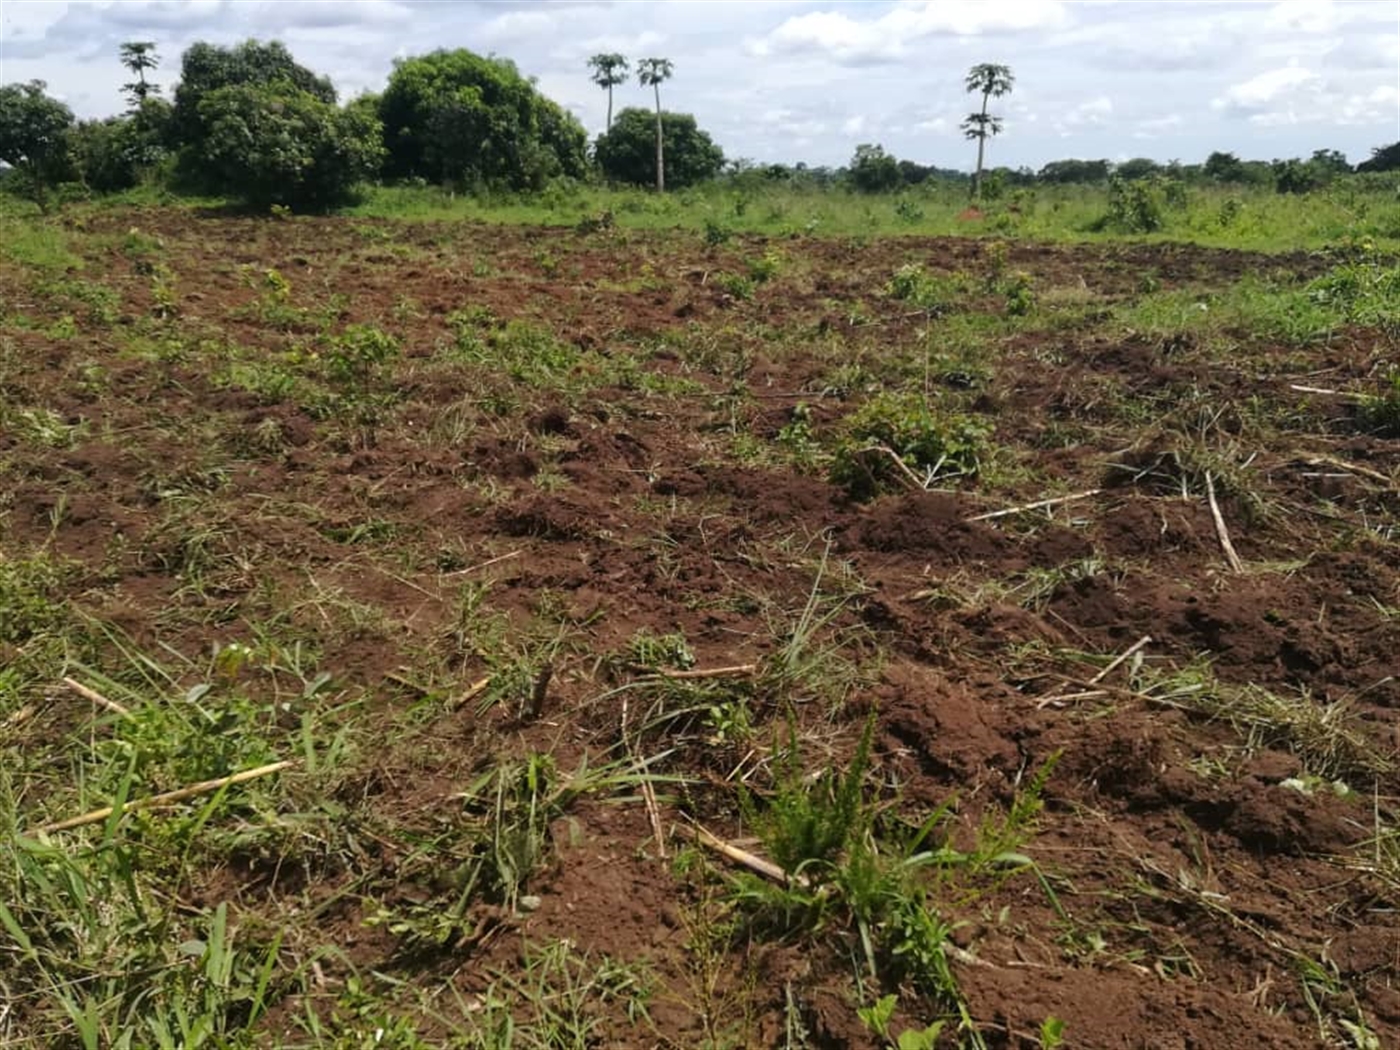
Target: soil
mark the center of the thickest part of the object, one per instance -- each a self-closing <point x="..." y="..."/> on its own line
<point x="1189" y="878"/>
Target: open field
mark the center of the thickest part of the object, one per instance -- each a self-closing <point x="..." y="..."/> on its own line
<point x="695" y="641"/>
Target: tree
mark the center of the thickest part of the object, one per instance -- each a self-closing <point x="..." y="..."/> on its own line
<point x="1383" y="158"/>
<point x="1224" y="167"/>
<point x="462" y="118"/>
<point x="626" y="153"/>
<point x="873" y="170"/>
<point x="1076" y="171"/>
<point x="992" y="81"/>
<point x="206" y="68"/>
<point x="609" y="70"/>
<point x="139" y="56"/>
<point x="1137" y="168"/>
<point x="651" y="72"/>
<point x="277" y="144"/>
<point x="35" y="138"/>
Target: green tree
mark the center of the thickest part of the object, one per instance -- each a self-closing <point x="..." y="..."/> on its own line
<point x="992" y="81"/>
<point x="1224" y="167"/>
<point x="140" y="56"/>
<point x="609" y="70"/>
<point x="1137" y="168"/>
<point x="1383" y="158"/>
<point x="873" y="170"/>
<point x="206" y="68"/>
<point x="35" y="139"/>
<point x="463" y="118"/>
<point x="652" y="72"/>
<point x="276" y="144"/>
<point x="627" y="152"/>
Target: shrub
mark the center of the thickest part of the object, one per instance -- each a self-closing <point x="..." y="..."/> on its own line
<point x="462" y="118"/>
<point x="627" y="152"/>
<point x="928" y="444"/>
<point x="279" y="145"/>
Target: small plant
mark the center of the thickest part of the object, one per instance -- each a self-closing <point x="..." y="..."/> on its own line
<point x="908" y="211"/>
<point x="765" y="267"/>
<point x="797" y="435"/>
<point x="735" y="285"/>
<point x="903" y="425"/>
<point x="1133" y="206"/>
<point x="717" y="233"/>
<point x="1020" y="294"/>
<point x="878" y="1016"/>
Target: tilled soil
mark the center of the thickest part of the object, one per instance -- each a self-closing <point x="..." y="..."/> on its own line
<point x="1187" y="877"/>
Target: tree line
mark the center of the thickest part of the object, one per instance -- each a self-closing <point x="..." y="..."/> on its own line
<point x="250" y="122"/>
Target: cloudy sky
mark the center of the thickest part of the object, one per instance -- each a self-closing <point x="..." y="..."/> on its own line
<point x="810" y="79"/>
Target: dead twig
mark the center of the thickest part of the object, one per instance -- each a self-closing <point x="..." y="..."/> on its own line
<point x="482" y="565"/>
<point x="736" y="671"/>
<point x="473" y="691"/>
<point x="1146" y="639"/>
<point x="752" y="861"/>
<point x="906" y="476"/>
<point x="1352" y="468"/>
<point x="1039" y="504"/>
<point x="93" y="696"/>
<point x="1220" y="530"/>
<point x="193" y="790"/>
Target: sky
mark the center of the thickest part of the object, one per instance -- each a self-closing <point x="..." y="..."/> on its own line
<point x="811" y="79"/>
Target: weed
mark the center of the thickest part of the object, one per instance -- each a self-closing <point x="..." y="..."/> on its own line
<point x="932" y="446"/>
<point x="735" y="285"/>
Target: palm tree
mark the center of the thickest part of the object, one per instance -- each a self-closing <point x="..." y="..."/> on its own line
<point x="609" y="70"/>
<point x="139" y="56"/>
<point x="651" y="72"/>
<point x="991" y="80"/>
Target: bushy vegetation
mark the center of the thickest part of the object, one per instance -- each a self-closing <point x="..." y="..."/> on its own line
<point x="275" y="144"/>
<point x="458" y="118"/>
<point x="627" y="152"/>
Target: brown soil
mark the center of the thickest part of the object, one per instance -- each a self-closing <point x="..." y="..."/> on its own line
<point x="1188" y="881"/>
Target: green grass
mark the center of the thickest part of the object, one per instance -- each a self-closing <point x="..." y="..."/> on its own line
<point x="1219" y="216"/>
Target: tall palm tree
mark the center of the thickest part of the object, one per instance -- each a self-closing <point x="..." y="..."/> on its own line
<point x="651" y="72"/>
<point x="609" y="70"/>
<point x="139" y="56"/>
<point x="991" y="80"/>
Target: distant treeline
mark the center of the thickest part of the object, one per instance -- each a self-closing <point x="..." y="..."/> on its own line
<point x="249" y="122"/>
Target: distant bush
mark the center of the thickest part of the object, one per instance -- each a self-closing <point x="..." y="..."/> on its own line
<point x="627" y="152"/>
<point x="467" y="119"/>
<point x="276" y="144"/>
<point x="929" y="445"/>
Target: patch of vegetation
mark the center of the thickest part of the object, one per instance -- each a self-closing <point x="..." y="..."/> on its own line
<point x="895" y="439"/>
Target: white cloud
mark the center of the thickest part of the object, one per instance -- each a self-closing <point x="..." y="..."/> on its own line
<point x="895" y="33"/>
<point x="1294" y="95"/>
<point x="854" y="125"/>
<point x="1267" y="91"/>
<point x="1155" y="127"/>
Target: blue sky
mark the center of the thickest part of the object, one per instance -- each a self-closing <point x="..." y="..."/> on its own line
<point x="809" y="80"/>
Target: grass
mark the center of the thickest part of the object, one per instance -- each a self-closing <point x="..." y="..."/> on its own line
<point x="523" y="581"/>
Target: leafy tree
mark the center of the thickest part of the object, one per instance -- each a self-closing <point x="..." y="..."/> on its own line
<point x="1075" y="171"/>
<point x="991" y="80"/>
<point x="652" y="72"/>
<point x="873" y="170"/>
<point x="1137" y="168"/>
<point x="460" y="117"/>
<point x="1383" y="158"/>
<point x="1329" y="163"/>
<point x="35" y="138"/>
<point x="115" y="153"/>
<point x="277" y="144"/>
<point x="206" y="68"/>
<point x="139" y="56"/>
<point x="609" y="70"/>
<point x="627" y="154"/>
<point x="1224" y="167"/>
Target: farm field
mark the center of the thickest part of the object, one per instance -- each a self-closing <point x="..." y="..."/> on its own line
<point x="660" y="638"/>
